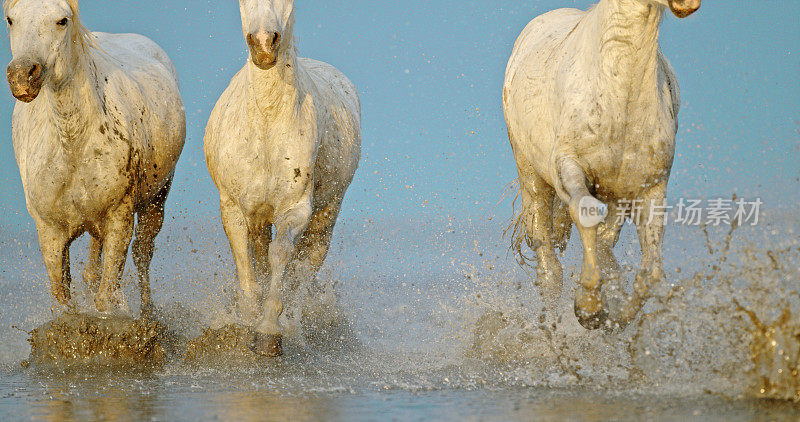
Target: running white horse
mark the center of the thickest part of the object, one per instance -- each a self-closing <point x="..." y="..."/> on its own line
<point x="282" y="145"/>
<point x="591" y="106"/>
<point x="97" y="131"/>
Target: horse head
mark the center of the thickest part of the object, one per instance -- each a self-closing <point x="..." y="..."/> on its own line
<point x="268" y="28"/>
<point x="47" y="40"/>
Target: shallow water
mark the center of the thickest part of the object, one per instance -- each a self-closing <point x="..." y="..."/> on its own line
<point x="442" y="326"/>
<point x="246" y="396"/>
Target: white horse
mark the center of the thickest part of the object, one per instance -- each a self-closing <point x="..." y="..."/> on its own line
<point x="591" y="106"/>
<point x="282" y="145"/>
<point x="97" y="131"/>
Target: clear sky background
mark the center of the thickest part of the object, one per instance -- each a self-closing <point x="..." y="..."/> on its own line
<point x="430" y="75"/>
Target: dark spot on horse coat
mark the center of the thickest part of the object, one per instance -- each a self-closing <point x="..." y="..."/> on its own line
<point x="102" y="130"/>
<point x="297" y="173"/>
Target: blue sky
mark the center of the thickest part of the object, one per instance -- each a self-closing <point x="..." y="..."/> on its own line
<point x="430" y="76"/>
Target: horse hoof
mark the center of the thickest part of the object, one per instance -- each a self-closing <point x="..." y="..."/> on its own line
<point x="269" y="345"/>
<point x="592" y="322"/>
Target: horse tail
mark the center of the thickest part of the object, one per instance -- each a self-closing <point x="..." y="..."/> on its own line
<point x="517" y="229"/>
<point x="562" y="225"/>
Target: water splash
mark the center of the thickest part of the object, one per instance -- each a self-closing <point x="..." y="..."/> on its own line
<point x="698" y="334"/>
<point x="775" y="352"/>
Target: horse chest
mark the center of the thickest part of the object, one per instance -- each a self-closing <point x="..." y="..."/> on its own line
<point x="637" y="154"/>
<point x="626" y="143"/>
<point x="79" y="186"/>
<point x="269" y="166"/>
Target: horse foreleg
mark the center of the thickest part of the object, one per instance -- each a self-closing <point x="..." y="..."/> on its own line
<point x="236" y="228"/>
<point x="151" y="219"/>
<point x="54" y="244"/>
<point x="289" y="227"/>
<point x="118" y="231"/>
<point x="650" y="228"/>
<point x="93" y="269"/>
<point x="260" y="241"/>
<point x="607" y="237"/>
<point x="588" y="302"/>
<point x="313" y="245"/>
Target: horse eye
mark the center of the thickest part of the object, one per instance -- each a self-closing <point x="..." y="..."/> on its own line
<point x="10" y="22"/>
<point x="62" y="22"/>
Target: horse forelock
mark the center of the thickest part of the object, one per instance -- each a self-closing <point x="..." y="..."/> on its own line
<point x="81" y="34"/>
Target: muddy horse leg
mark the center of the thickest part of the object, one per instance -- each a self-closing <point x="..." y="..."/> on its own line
<point x="151" y="219"/>
<point x="313" y="245"/>
<point x="93" y="269"/>
<point x="537" y="204"/>
<point x="54" y="244"/>
<point x="117" y="233"/>
<point x="289" y="226"/>
<point x="650" y="228"/>
<point x="260" y="241"/>
<point x="588" y="301"/>
<point x="236" y="228"/>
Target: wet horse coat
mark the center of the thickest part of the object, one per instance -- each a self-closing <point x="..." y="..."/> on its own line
<point x="282" y="145"/>
<point x="591" y="106"/>
<point x="97" y="133"/>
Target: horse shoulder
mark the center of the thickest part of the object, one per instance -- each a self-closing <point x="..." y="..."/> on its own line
<point x="133" y="62"/>
<point x="541" y="36"/>
<point x="140" y="95"/>
<point x="332" y="85"/>
<point x="23" y="125"/>
<point x="532" y="70"/>
<point x="230" y="157"/>
<point x="671" y="89"/>
<point x="339" y="116"/>
<point x="337" y="99"/>
<point x="27" y="126"/>
<point x="229" y="108"/>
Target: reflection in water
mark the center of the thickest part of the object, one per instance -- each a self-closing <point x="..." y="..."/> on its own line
<point x="259" y="405"/>
<point x="93" y="396"/>
<point x="168" y="398"/>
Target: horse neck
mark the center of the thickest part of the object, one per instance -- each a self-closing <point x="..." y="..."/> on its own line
<point x="276" y="91"/>
<point x="73" y="103"/>
<point x="627" y="32"/>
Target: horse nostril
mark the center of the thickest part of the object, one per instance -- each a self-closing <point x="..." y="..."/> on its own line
<point x="276" y="39"/>
<point x="35" y="72"/>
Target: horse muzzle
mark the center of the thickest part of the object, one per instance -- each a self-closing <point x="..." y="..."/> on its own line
<point x="684" y="8"/>
<point x="25" y="79"/>
<point x="264" y="48"/>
